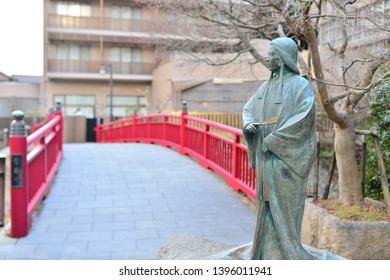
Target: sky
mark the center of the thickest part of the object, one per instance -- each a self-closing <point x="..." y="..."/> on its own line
<point x="21" y="37"/>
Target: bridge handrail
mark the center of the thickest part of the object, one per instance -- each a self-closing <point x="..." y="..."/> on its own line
<point x="41" y="131"/>
<point x="214" y="145"/>
<point x="34" y="162"/>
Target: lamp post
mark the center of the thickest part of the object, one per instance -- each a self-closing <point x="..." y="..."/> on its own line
<point x="103" y="71"/>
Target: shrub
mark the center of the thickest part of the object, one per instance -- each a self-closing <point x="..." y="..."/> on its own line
<point x="380" y="116"/>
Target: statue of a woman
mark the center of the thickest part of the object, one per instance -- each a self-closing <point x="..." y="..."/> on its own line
<point x="279" y="126"/>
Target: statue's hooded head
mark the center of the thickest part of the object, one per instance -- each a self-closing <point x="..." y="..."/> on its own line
<point x="287" y="50"/>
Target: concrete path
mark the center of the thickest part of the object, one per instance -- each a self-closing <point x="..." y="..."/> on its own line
<point x="124" y="201"/>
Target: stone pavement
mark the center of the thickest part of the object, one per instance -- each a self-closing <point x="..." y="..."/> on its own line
<point x="125" y="200"/>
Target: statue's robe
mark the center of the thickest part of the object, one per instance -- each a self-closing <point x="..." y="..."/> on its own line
<point x="282" y="155"/>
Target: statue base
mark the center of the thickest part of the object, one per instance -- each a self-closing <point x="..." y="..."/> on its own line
<point x="188" y="247"/>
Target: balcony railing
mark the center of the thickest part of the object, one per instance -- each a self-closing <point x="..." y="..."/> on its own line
<point x="77" y="66"/>
<point x="114" y="24"/>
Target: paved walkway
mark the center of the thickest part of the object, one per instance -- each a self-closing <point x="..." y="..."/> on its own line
<point x="123" y="201"/>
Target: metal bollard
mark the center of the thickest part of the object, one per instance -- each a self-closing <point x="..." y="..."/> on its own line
<point x="2" y="188"/>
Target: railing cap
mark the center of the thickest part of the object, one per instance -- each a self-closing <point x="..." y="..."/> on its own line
<point x="184" y="107"/>
<point x="18" y="125"/>
<point x="18" y="115"/>
<point x="58" y="106"/>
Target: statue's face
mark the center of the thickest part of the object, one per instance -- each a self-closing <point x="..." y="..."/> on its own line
<point x="273" y="59"/>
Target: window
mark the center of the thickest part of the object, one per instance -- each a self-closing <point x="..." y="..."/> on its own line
<point x="73" y="58"/>
<point x="124" y="106"/>
<point x="73" y="9"/>
<point x="73" y="52"/>
<point x="75" y="105"/>
<point x="125" y="18"/>
<point x="70" y="14"/>
<point x="125" y="12"/>
<point x="8" y="105"/>
<point x="126" y="60"/>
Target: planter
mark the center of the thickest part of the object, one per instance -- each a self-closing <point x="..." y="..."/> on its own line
<point x="351" y="240"/>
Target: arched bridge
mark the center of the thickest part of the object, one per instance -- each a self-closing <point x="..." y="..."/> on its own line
<point x="124" y="200"/>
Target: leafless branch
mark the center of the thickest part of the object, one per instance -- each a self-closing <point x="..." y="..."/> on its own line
<point x="208" y="61"/>
<point x="360" y="92"/>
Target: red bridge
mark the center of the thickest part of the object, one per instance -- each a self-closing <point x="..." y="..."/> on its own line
<point x="36" y="158"/>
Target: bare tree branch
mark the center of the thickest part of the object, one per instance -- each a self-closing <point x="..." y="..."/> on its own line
<point x="208" y="60"/>
<point x="367" y="78"/>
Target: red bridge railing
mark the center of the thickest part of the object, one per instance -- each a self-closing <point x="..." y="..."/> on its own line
<point x="34" y="161"/>
<point x="215" y="146"/>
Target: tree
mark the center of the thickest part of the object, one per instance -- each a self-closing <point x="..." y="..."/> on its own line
<point x="230" y="28"/>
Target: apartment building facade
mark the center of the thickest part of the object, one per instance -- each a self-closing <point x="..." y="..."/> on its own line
<point x="82" y="37"/>
<point x="87" y="39"/>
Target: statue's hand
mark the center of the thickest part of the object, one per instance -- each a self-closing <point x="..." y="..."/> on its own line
<point x="252" y="127"/>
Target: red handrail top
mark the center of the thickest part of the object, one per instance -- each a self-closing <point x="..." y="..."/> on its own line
<point x="138" y="118"/>
<point x="226" y="128"/>
<point x="215" y="125"/>
<point x="37" y="135"/>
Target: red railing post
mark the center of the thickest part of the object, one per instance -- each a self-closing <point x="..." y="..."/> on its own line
<point x="183" y="124"/>
<point x="19" y="182"/>
<point x="165" y="120"/>
<point x="60" y="128"/>
<point x="205" y="141"/>
<point x="98" y="132"/>
<point x="148" y="127"/>
<point x="133" y="126"/>
<point x="235" y="157"/>
<point x="122" y="132"/>
<point x="110" y="132"/>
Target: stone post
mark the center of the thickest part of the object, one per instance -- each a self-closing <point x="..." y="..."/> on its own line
<point x="18" y="126"/>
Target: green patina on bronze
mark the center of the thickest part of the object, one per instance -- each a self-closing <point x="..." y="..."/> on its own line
<point x="281" y="153"/>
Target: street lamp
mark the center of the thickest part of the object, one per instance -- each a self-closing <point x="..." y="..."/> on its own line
<point x="103" y="69"/>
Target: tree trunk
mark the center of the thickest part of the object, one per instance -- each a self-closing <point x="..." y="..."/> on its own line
<point x="350" y="192"/>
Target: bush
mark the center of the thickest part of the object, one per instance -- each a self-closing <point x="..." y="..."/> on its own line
<point x="380" y="116"/>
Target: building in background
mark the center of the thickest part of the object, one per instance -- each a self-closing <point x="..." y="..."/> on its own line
<point x="368" y="31"/>
<point x="216" y="95"/>
<point x="20" y="93"/>
<point x="82" y="36"/>
<point x="84" y="41"/>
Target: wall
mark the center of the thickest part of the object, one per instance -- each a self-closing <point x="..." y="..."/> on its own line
<point x="19" y="96"/>
<point x="160" y="100"/>
<point x="219" y="97"/>
<point x="75" y="129"/>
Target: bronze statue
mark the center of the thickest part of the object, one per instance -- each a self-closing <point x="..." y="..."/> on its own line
<point x="279" y="127"/>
